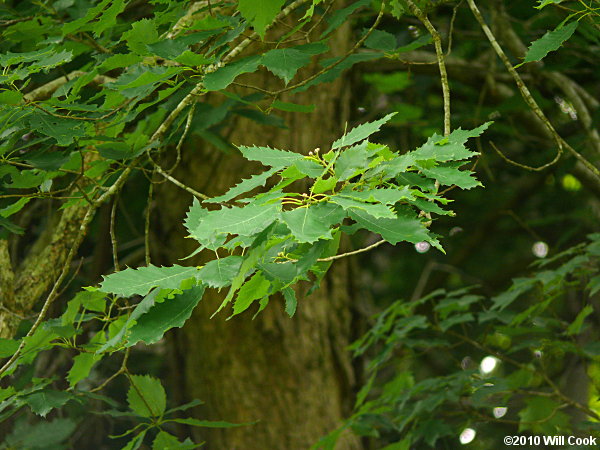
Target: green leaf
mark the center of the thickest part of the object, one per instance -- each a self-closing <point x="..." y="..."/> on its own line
<point x="456" y="319"/>
<point x="146" y="396"/>
<point x="166" y="441"/>
<point x="543" y="3"/>
<point x="520" y="286"/>
<point x="76" y="25"/>
<point x="594" y="285"/>
<point x="194" y="215"/>
<point x="449" y="148"/>
<point x="62" y="129"/>
<point x="285" y="62"/>
<point x="309" y="224"/>
<point x="575" y="327"/>
<point x="140" y="281"/>
<point x="251" y="259"/>
<point x="270" y="156"/>
<point x="40" y="340"/>
<point x="254" y="289"/>
<point x="54" y="59"/>
<point x="351" y="161"/>
<point x="189" y="58"/>
<point x="219" y="272"/>
<point x="209" y="423"/>
<point x="82" y="365"/>
<point x="417" y="43"/>
<point x="141" y="80"/>
<point x="245" y="221"/>
<point x="48" y="160"/>
<point x="246" y="185"/>
<point x="290" y="301"/>
<point x="42" y="402"/>
<point x="549" y="42"/>
<point x="118" y="61"/>
<point x="224" y="76"/>
<point x="92" y="299"/>
<point x="360" y="132"/>
<point x="14" y="207"/>
<point x="339" y="17"/>
<point x="308" y="167"/>
<point x="324" y="185"/>
<point x="136" y="441"/>
<point x="406" y="227"/>
<point x="351" y="204"/>
<point x="42" y="435"/>
<point x="542" y="416"/>
<point x="260" y="14"/>
<point x="108" y="19"/>
<point x="381" y="40"/>
<point x="387" y="196"/>
<point x="142" y="33"/>
<point x="168" y="48"/>
<point x="10" y="97"/>
<point x="8" y="347"/>
<point x="449" y="176"/>
<point x="119" y="327"/>
<point x="171" y="313"/>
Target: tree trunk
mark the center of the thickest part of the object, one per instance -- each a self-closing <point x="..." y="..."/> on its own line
<point x="292" y="375"/>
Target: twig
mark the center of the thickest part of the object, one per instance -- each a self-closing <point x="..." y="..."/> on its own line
<point x="525" y="166"/>
<point x="354" y="252"/>
<point x="178" y="183"/>
<point x="451" y="28"/>
<point x="121" y="370"/>
<point x="113" y="237"/>
<point x="439" y="51"/>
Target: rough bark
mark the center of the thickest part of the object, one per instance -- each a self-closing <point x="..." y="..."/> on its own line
<point x="292" y="375"/>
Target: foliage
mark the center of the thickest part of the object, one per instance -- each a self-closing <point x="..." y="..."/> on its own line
<point x="286" y="235"/>
<point x="521" y="339"/>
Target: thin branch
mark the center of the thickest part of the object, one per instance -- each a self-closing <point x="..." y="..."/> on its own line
<point x="113" y="237"/>
<point x="451" y="28"/>
<point x="178" y="183"/>
<point x="121" y="370"/>
<point x="354" y="252"/>
<point x="439" y="51"/>
<point x="525" y="166"/>
<point x="147" y="224"/>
